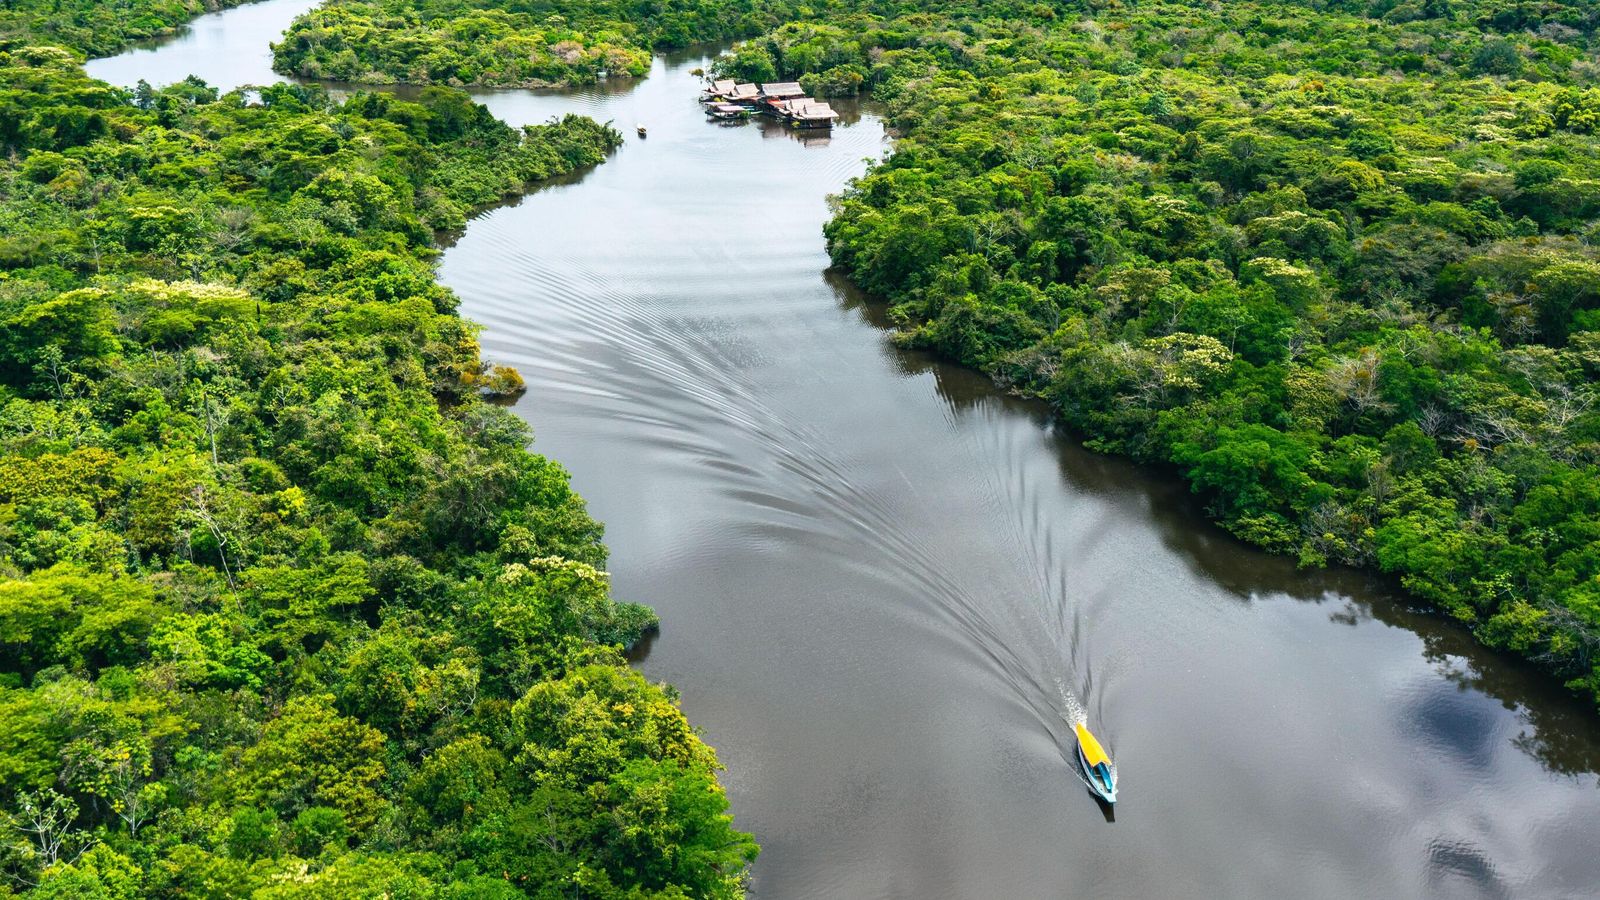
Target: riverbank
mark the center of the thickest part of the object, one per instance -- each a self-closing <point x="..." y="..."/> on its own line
<point x="876" y="574"/>
<point x="285" y="600"/>
<point x="502" y="44"/>
<point x="1318" y="325"/>
<point x="97" y="29"/>
<point x="1330" y="314"/>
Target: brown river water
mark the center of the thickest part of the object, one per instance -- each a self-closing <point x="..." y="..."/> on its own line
<point x="884" y="586"/>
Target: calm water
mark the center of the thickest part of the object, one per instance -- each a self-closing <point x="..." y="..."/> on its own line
<point x="882" y="584"/>
<point x="228" y="49"/>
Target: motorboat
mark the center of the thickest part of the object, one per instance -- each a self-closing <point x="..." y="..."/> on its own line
<point x="1096" y="764"/>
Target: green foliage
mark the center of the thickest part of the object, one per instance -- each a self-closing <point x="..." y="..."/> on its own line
<point x="839" y="81"/>
<point x="94" y="27"/>
<point x="425" y="44"/>
<point x="284" y="605"/>
<point x="310" y="758"/>
<point x="507" y="42"/>
<point x="608" y="766"/>
<point x="1348" y="285"/>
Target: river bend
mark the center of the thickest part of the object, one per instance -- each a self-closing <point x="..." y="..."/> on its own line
<point x="883" y="585"/>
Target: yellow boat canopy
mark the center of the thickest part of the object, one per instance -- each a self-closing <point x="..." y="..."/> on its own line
<point x="1092" y="751"/>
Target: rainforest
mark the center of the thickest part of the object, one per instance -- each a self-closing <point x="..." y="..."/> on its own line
<point x="1341" y="269"/>
<point x="536" y="43"/>
<point x="290" y="609"/>
<point x="1338" y="264"/>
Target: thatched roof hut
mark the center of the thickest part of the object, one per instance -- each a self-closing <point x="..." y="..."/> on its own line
<point x="809" y="111"/>
<point x="782" y="90"/>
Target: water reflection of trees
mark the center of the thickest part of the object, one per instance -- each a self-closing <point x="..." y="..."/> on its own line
<point x="1561" y="734"/>
<point x="850" y="112"/>
<point x="772" y="129"/>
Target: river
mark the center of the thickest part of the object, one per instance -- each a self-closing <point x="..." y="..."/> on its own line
<point x="882" y="583"/>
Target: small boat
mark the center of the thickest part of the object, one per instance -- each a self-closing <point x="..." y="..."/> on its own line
<point x="640" y="129"/>
<point x="1096" y="765"/>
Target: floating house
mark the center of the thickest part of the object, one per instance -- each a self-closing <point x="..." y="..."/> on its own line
<point x="718" y="91"/>
<point x="782" y="90"/>
<point x="808" y="113"/>
<point x="784" y="100"/>
<point x="771" y="106"/>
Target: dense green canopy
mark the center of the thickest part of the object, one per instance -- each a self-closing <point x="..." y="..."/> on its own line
<point x="286" y="608"/>
<point x="1340" y="269"/>
<point x="1336" y="261"/>
<point x="96" y="27"/>
<point x="508" y="42"/>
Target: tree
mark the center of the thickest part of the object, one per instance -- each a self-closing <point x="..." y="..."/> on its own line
<point x="313" y="756"/>
<point x="1497" y="56"/>
<point x="45" y="818"/>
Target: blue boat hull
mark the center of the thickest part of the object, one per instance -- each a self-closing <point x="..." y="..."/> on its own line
<point x="1104" y="787"/>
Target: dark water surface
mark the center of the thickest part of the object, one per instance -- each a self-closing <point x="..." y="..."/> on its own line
<point x="882" y="584"/>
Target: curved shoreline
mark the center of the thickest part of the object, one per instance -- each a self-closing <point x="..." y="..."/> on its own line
<point x="879" y="730"/>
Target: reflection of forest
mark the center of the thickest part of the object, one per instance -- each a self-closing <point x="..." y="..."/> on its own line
<point x="1361" y="323"/>
<point x="1561" y="736"/>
